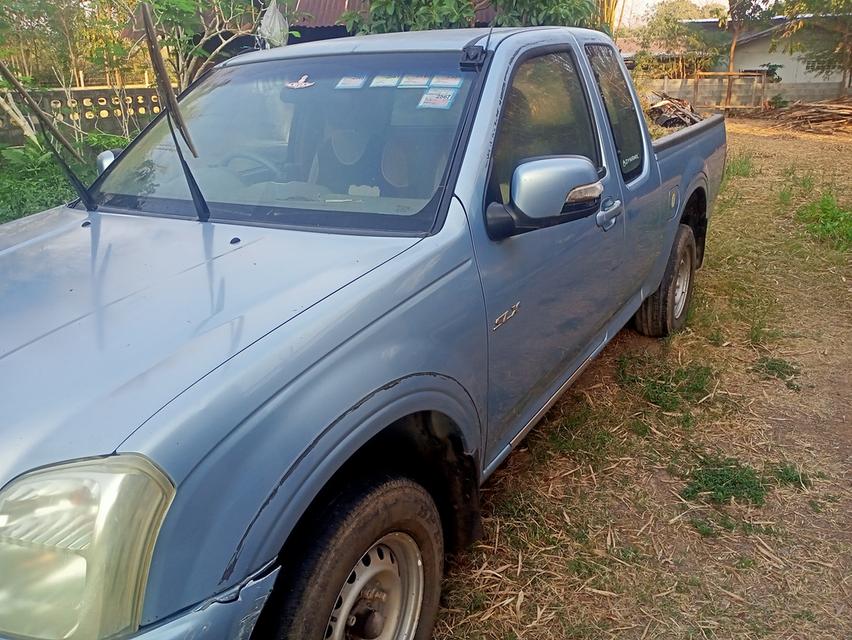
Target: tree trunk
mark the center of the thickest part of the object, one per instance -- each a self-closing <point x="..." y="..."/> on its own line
<point x="847" y="64"/>
<point x="7" y="104"/>
<point x="25" y="63"/>
<point x="733" y="50"/>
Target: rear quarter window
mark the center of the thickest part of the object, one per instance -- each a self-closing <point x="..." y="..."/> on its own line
<point x="620" y="110"/>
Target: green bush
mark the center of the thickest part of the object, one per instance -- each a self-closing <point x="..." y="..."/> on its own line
<point x="31" y="180"/>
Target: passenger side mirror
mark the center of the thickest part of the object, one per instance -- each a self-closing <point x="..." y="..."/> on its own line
<point x="106" y="158"/>
<point x="546" y="192"/>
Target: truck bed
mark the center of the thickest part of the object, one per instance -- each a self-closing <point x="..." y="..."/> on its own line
<point x="697" y="150"/>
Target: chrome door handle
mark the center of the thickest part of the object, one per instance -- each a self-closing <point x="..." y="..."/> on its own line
<point x="605" y="218"/>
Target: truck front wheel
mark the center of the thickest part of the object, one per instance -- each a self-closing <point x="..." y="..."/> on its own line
<point x="371" y="569"/>
<point x="665" y="311"/>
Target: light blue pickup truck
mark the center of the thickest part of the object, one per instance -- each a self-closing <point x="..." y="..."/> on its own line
<point x="269" y="416"/>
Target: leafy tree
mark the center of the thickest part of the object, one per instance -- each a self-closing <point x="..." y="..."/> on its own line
<point x="743" y="15"/>
<point x="386" y="16"/>
<point x="383" y="16"/>
<point x="196" y="32"/>
<point x="824" y="40"/>
<point x="687" y="49"/>
<point x="40" y="37"/>
<point x="537" y="12"/>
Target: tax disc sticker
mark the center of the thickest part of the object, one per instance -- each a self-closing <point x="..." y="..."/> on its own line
<point x="351" y="82"/>
<point x="385" y="81"/>
<point x="437" y="98"/>
<point x="414" y="82"/>
<point x="452" y="82"/>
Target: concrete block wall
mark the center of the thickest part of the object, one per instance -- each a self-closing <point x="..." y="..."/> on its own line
<point x="745" y="91"/>
<point x="91" y="108"/>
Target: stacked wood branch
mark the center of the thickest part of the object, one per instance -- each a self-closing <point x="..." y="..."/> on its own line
<point x="671" y="112"/>
<point x="826" y="117"/>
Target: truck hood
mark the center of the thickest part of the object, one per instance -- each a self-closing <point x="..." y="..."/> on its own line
<point x="105" y="318"/>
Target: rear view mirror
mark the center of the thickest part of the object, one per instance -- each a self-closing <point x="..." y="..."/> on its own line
<point x="106" y="158"/>
<point x="545" y="192"/>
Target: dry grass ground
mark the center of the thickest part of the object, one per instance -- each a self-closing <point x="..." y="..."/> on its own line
<point x="698" y="487"/>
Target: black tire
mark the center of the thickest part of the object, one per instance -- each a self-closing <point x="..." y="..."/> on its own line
<point x="353" y="522"/>
<point x="658" y="316"/>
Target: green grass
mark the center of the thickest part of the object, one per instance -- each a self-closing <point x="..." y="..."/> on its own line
<point x="640" y="428"/>
<point x="582" y="434"/>
<point x="779" y="369"/>
<point x="829" y="221"/>
<point x="716" y="337"/>
<point x="703" y="527"/>
<point x="805" y="614"/>
<point x="739" y="165"/>
<point x="759" y="333"/>
<point x="785" y="197"/>
<point x="723" y="479"/>
<point x="788" y="474"/>
<point x="806" y="182"/>
<point x="754" y="307"/>
<point x="670" y="389"/>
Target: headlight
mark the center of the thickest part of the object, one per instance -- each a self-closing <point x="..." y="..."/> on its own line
<point x="75" y="545"/>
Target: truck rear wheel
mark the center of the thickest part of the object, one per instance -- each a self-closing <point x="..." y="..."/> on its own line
<point x="372" y="569"/>
<point x="665" y="311"/>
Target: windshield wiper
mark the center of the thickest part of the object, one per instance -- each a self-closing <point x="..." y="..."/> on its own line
<point x="85" y="197"/>
<point x="45" y="125"/>
<point x="202" y="211"/>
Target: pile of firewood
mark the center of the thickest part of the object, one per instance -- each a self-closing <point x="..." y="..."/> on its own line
<point x="824" y="117"/>
<point x="671" y="112"/>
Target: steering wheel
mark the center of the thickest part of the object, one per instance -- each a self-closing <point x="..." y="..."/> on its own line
<point x="248" y="155"/>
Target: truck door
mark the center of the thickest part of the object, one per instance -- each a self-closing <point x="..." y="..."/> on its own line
<point x="644" y="208"/>
<point x="547" y="292"/>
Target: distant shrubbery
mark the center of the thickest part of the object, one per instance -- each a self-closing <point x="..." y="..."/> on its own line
<point x="31" y="181"/>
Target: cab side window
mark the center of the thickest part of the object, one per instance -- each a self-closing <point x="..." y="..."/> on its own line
<point x="622" y="115"/>
<point x="545" y="113"/>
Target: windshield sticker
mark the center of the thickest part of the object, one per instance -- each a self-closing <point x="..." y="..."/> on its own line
<point x="414" y="82"/>
<point x="437" y="98"/>
<point x="385" y="81"/>
<point x="628" y="161"/>
<point x="301" y="83"/>
<point x="451" y="82"/>
<point x="351" y="82"/>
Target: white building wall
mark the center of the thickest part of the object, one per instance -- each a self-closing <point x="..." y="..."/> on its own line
<point x="751" y="55"/>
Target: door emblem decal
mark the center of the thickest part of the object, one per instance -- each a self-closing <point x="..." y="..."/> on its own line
<point x="507" y="315"/>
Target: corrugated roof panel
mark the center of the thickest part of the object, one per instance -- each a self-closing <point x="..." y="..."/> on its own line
<point x="325" y="13"/>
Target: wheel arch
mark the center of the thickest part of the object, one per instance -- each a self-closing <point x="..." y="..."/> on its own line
<point x="427" y="421"/>
<point x="427" y="446"/>
<point x="694" y="215"/>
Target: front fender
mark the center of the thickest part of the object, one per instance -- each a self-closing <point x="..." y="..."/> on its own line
<point x="330" y="450"/>
<point x="250" y="445"/>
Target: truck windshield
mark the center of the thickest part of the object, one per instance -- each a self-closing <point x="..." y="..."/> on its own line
<point x="356" y="142"/>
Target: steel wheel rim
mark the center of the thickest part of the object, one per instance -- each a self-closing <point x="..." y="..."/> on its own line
<point x="681" y="287"/>
<point x="383" y="590"/>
